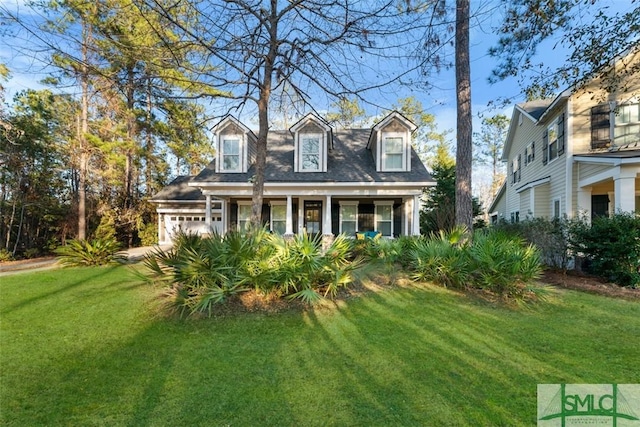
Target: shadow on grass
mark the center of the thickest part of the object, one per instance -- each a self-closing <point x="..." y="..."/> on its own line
<point x="97" y="273"/>
<point x="411" y="356"/>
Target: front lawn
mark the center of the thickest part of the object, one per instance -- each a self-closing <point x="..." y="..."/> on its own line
<point x="91" y="347"/>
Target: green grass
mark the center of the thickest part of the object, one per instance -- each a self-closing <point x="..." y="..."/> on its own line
<point x="90" y="347"/>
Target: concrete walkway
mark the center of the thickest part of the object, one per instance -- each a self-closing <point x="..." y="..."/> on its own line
<point x="48" y="263"/>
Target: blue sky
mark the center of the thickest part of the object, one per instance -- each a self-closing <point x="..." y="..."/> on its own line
<point x="439" y="101"/>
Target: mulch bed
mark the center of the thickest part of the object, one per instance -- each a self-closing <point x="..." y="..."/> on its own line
<point x="582" y="282"/>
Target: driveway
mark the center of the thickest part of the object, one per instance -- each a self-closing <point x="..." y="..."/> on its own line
<point x="48" y="263"/>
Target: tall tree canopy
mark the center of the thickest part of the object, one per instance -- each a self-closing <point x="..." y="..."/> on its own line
<point x="313" y="47"/>
<point x="591" y="33"/>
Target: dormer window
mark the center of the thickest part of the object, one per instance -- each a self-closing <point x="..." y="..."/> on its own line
<point x="312" y="140"/>
<point x="235" y="149"/>
<point x="231" y="153"/>
<point x="393" y="151"/>
<point x="390" y="143"/>
<point x="310" y="152"/>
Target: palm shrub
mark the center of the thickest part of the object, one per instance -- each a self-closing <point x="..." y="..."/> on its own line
<point x="495" y="261"/>
<point x="503" y="263"/>
<point x="307" y="273"/>
<point x="441" y="258"/>
<point x="200" y="273"/>
<point x="99" y="251"/>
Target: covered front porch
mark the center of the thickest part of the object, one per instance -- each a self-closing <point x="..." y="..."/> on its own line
<point x="608" y="183"/>
<point x="314" y="214"/>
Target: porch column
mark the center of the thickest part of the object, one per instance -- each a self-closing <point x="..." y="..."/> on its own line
<point x="160" y="228"/>
<point x="405" y="217"/>
<point x="326" y="224"/>
<point x="223" y="217"/>
<point x="416" y="216"/>
<point x="207" y="212"/>
<point x="584" y="202"/>
<point x="624" y="187"/>
<point x="289" y="221"/>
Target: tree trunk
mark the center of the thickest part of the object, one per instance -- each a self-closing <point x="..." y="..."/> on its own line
<point x="82" y="137"/>
<point x="10" y="226"/>
<point x="15" y="246"/>
<point x="263" y="118"/>
<point x="149" y="143"/>
<point x="464" y="147"/>
<point x="131" y="133"/>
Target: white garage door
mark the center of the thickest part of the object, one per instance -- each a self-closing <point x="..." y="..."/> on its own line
<point x="190" y="224"/>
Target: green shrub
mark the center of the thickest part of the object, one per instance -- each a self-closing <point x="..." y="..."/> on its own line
<point x="308" y="274"/>
<point x="495" y="261"/>
<point x="202" y="272"/>
<point x="32" y="253"/>
<point x="148" y="234"/>
<point x="612" y="246"/>
<point x="95" y="252"/>
<point x="549" y="236"/>
<point x="5" y="255"/>
<point x="503" y="263"/>
<point x="441" y="262"/>
<point x="441" y="258"/>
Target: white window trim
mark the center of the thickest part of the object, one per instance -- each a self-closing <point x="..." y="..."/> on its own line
<point x="243" y="203"/>
<point x="383" y="154"/>
<point x="613" y="120"/>
<point x="226" y="137"/>
<point x="375" y="215"/>
<point x="348" y="203"/>
<point x="321" y="151"/>
<point x="277" y="203"/>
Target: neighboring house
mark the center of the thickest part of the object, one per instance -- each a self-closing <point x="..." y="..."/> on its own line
<point x="578" y="154"/>
<point x="316" y="180"/>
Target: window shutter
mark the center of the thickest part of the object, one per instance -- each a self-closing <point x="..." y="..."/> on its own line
<point x="560" y="134"/>
<point x="600" y="126"/>
<point x="519" y="167"/>
<point x="545" y="148"/>
<point x="533" y="151"/>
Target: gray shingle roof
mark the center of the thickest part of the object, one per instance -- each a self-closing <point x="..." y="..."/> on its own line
<point x="179" y="190"/>
<point x="536" y="108"/>
<point x="349" y="161"/>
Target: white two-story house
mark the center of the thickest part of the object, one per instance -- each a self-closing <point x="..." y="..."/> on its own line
<point x="577" y="154"/>
<point x="317" y="180"/>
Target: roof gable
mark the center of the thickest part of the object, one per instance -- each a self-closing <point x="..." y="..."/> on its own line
<point x="309" y="119"/>
<point x="230" y="121"/>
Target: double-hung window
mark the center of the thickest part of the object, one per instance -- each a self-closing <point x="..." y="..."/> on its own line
<point x="310" y="152"/>
<point x="348" y="217"/>
<point x="278" y="217"/>
<point x="515" y="170"/>
<point x="552" y="141"/>
<point x="530" y="153"/>
<point x="384" y="218"/>
<point x="244" y="215"/>
<point x="393" y="152"/>
<point x="627" y="124"/>
<point x="231" y="154"/>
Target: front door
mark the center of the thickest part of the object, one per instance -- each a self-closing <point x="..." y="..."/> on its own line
<point x="599" y="205"/>
<point x="313" y="217"/>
